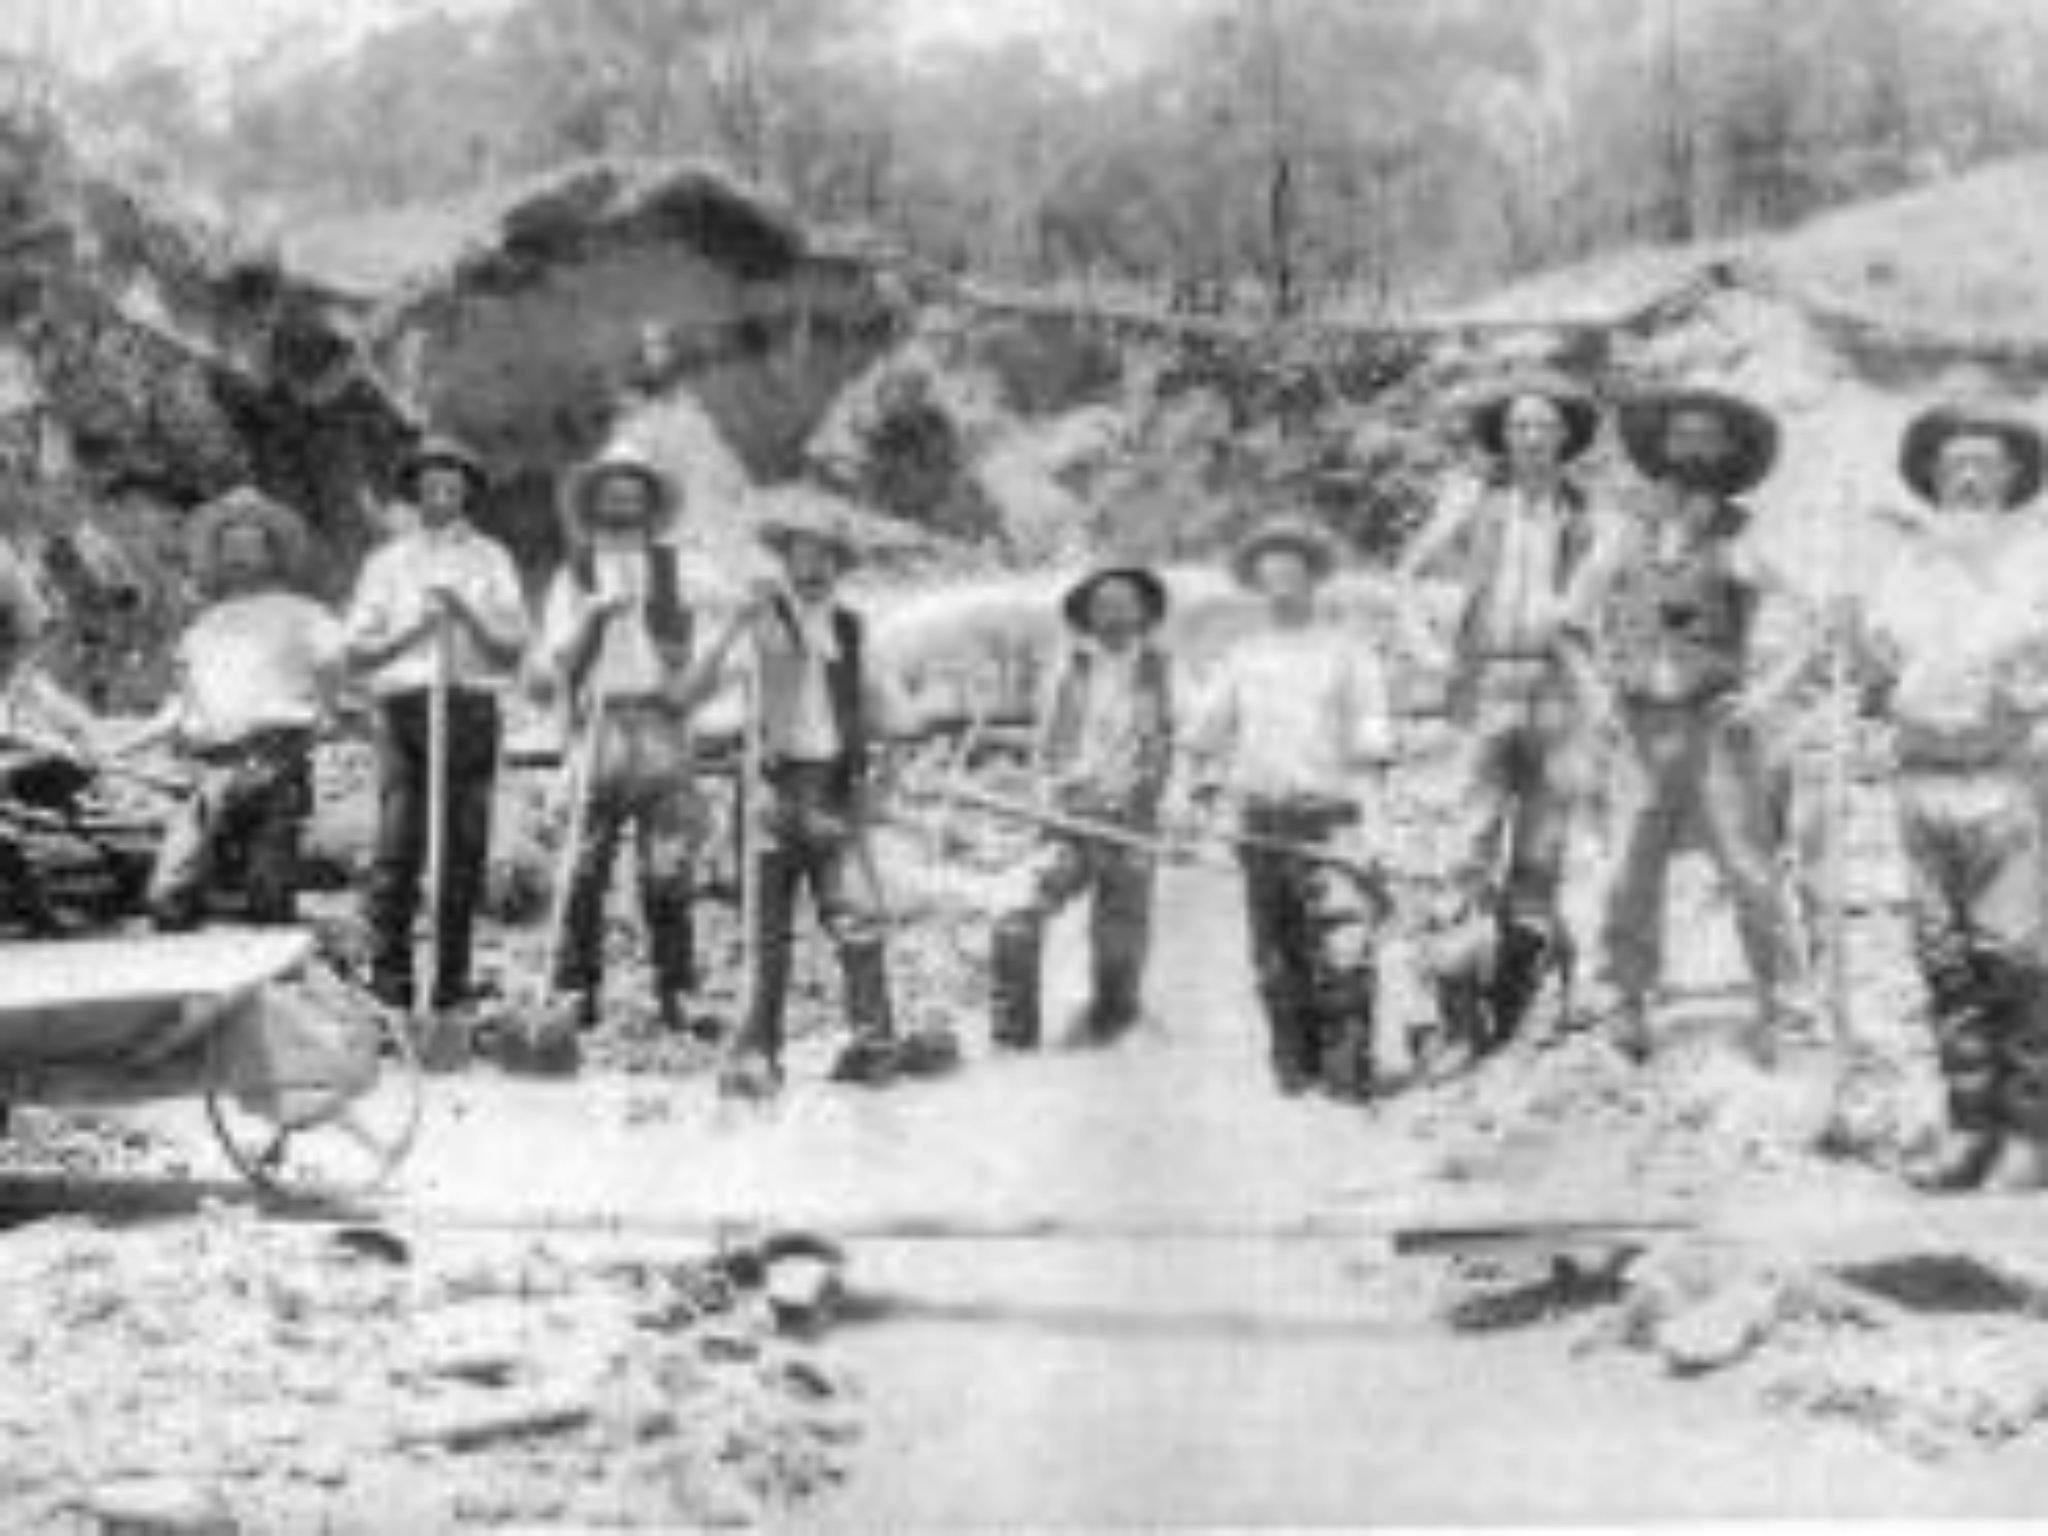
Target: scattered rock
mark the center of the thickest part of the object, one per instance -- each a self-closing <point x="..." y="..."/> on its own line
<point x="160" y="1506"/>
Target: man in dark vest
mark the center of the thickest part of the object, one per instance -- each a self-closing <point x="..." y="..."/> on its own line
<point x="617" y="640"/>
<point x="1674" y="596"/>
<point x="1516" y="541"/>
<point x="820" y="709"/>
<point x="1105" y="754"/>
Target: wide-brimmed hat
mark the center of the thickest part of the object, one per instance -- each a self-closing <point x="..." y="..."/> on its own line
<point x="789" y="513"/>
<point x="439" y="451"/>
<point x="1151" y="590"/>
<point x="1487" y="410"/>
<point x="580" y="490"/>
<point x="290" y="540"/>
<point x="1314" y="543"/>
<point x="1929" y="433"/>
<point x="1752" y="434"/>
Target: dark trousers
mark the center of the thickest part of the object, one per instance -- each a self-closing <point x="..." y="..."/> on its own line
<point x="811" y="839"/>
<point x="1119" y="884"/>
<point x="242" y="824"/>
<point x="642" y="789"/>
<point x="1312" y="950"/>
<point x="395" y="875"/>
<point x="1975" y="852"/>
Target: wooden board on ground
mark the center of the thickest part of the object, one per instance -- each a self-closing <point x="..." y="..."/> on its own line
<point x="97" y="1000"/>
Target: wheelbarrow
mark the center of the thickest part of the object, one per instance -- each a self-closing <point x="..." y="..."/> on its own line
<point x="309" y="1098"/>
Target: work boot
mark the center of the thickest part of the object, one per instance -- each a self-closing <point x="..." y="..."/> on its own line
<point x="869" y="1060"/>
<point x="749" y="1077"/>
<point x="2021" y="1167"/>
<point x="1627" y="1026"/>
<point x="933" y="1052"/>
<point x="1525" y="954"/>
<point x="1015" y="978"/>
<point x="1960" y="1162"/>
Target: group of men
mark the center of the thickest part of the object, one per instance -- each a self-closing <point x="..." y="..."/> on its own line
<point x="1582" y="628"/>
<point x="1579" y="626"/>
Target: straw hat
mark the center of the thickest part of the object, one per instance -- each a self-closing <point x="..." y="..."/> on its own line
<point x="1752" y="434"/>
<point x="245" y="506"/>
<point x="1487" y="413"/>
<point x="1310" y="540"/>
<point x="1929" y="433"/>
<point x="580" y="490"/>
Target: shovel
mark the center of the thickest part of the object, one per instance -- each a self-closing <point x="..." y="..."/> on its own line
<point x="443" y="1041"/>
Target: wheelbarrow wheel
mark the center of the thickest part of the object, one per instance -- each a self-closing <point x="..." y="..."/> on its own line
<point x="333" y="1151"/>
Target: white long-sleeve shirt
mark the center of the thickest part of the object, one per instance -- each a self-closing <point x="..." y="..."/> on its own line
<point x="1294" y="713"/>
<point x="391" y="596"/>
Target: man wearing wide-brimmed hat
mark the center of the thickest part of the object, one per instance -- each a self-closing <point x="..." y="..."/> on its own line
<point x="1675" y="599"/>
<point x="438" y="607"/>
<point x="616" y="639"/>
<point x="1515" y="540"/>
<point x="1954" y="633"/>
<point x="821" y="710"/>
<point x="1105" y="754"/>
<point x="1295" y="727"/>
<point x="256" y="676"/>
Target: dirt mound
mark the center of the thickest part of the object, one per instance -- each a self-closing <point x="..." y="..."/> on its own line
<point x="535" y="321"/>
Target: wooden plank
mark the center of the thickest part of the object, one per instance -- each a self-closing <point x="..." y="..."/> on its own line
<point x="51" y="975"/>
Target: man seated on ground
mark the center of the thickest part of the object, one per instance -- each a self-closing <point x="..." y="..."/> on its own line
<point x="257" y="674"/>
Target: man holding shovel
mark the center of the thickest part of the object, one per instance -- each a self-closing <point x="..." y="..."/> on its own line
<point x="1105" y="754"/>
<point x="819" y="711"/>
<point x="616" y="641"/>
<point x="1297" y="725"/>
<point x="437" y="627"/>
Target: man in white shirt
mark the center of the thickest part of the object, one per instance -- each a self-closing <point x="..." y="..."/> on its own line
<point x="1296" y="723"/>
<point x="1515" y="542"/>
<point x="616" y="638"/>
<point x="257" y="673"/>
<point x="1105" y="754"/>
<point x="1959" y="645"/>
<point x="440" y="584"/>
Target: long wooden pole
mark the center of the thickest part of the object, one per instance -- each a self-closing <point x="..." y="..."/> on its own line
<point x="426" y="994"/>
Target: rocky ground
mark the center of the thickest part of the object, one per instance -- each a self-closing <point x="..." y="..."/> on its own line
<point x="1096" y="1248"/>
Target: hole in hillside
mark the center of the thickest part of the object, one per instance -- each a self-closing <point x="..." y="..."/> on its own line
<point x="1947" y="1285"/>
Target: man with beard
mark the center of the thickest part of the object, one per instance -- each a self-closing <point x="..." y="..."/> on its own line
<point x="1676" y="595"/>
<point x="1516" y="541"/>
<point x="617" y="637"/>
<point x="1959" y="644"/>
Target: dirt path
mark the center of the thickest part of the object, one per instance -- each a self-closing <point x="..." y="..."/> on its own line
<point x="1160" y="1382"/>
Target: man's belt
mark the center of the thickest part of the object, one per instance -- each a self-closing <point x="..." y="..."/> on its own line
<point x="265" y="742"/>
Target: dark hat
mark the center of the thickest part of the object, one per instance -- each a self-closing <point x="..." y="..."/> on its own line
<point x="1929" y="433"/>
<point x="1752" y="432"/>
<point x="438" y="451"/>
<point x="1310" y="540"/>
<point x="1486" y="413"/>
<point x="790" y="513"/>
<point x="245" y="505"/>
<point x="579" y="491"/>
<point x="1150" y="588"/>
